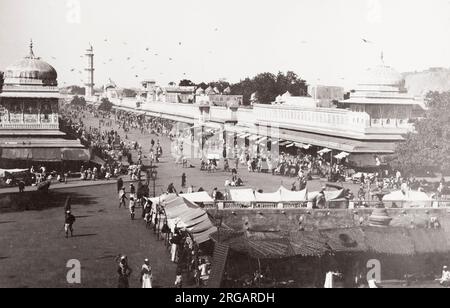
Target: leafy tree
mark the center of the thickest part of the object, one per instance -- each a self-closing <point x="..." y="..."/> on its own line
<point x="428" y="148"/>
<point x="105" y="105"/>
<point x="129" y="93"/>
<point x="202" y="85"/>
<point x="78" y="101"/>
<point x="186" y="83"/>
<point x="268" y="86"/>
<point x="76" y="90"/>
<point x="220" y="85"/>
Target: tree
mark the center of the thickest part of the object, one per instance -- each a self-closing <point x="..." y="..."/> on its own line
<point x="76" y="90"/>
<point x="129" y="93"/>
<point x="186" y="83"/>
<point x="268" y="86"/>
<point x="428" y="148"/>
<point x="105" y="105"/>
<point x="78" y="101"/>
<point x="202" y="85"/>
<point x="220" y="85"/>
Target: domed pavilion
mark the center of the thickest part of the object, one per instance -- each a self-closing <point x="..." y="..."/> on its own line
<point x="29" y="117"/>
<point x="382" y="94"/>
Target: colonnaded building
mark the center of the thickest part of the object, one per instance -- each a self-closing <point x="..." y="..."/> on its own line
<point x="362" y="128"/>
<point x="29" y="119"/>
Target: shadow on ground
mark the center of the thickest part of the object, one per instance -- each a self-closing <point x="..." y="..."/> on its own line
<point x="38" y="201"/>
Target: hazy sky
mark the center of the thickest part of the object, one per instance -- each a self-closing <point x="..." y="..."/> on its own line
<point x="233" y="39"/>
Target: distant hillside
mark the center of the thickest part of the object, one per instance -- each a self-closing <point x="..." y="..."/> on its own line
<point x="434" y="79"/>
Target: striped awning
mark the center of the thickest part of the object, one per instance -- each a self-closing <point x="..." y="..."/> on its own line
<point x="46" y="154"/>
<point x="76" y="155"/>
<point x="17" y="154"/>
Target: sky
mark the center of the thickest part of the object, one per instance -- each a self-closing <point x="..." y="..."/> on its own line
<point x="206" y="40"/>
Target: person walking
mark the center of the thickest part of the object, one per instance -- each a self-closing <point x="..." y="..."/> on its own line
<point x="146" y="275"/>
<point x="132" y="208"/>
<point x="132" y="191"/>
<point x="179" y="279"/>
<point x="124" y="272"/>
<point x="122" y="198"/>
<point x="68" y="224"/>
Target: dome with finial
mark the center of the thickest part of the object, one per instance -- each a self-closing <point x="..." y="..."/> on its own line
<point x="382" y="78"/>
<point x="31" y="71"/>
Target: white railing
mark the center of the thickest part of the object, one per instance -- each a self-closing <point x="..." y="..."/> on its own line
<point x="320" y="118"/>
<point x="28" y="126"/>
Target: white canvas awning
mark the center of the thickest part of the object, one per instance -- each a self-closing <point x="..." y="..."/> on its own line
<point x="184" y="214"/>
<point x="262" y="139"/>
<point x="198" y="197"/>
<point x="324" y="151"/>
<point x="342" y="155"/>
<point x="282" y="195"/>
<point x="242" y="195"/>
<point x="410" y="198"/>
<point x="11" y="171"/>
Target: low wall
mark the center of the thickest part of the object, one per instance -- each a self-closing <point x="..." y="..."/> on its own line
<point x="309" y="220"/>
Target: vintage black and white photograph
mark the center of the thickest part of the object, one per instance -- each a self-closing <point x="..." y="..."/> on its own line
<point x="242" y="145"/>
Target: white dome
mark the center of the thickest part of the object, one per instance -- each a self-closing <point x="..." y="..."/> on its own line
<point x="382" y="75"/>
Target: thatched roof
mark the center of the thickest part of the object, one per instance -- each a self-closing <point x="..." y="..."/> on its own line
<point x="388" y="241"/>
<point x="345" y="240"/>
<point x="427" y="241"/>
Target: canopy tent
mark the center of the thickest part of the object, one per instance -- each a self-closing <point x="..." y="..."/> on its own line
<point x="329" y="195"/>
<point x="324" y="151"/>
<point x="184" y="214"/>
<point x="242" y="195"/>
<point x="410" y="198"/>
<point x="262" y="140"/>
<point x="342" y="155"/>
<point x="198" y="197"/>
<point x="268" y="197"/>
<point x="213" y="156"/>
<point x="282" y="195"/>
<point x="3" y="172"/>
<point x="97" y="160"/>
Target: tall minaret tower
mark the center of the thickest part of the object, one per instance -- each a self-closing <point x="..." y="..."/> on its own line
<point x="90" y="72"/>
